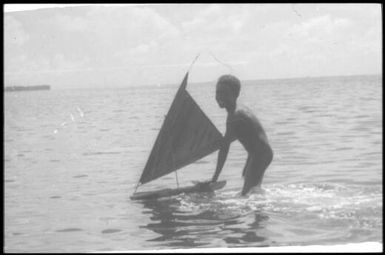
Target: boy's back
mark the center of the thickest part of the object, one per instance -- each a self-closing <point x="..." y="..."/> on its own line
<point x="247" y="129"/>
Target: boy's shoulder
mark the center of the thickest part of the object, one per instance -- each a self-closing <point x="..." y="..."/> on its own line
<point x="241" y="113"/>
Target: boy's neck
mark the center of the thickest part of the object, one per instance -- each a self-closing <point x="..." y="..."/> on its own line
<point x="231" y="108"/>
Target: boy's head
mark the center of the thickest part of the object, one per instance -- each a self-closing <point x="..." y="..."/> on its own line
<point x="227" y="91"/>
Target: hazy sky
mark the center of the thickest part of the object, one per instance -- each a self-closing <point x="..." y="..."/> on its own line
<point x="123" y="45"/>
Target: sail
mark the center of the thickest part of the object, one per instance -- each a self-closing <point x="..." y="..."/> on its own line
<point x="187" y="135"/>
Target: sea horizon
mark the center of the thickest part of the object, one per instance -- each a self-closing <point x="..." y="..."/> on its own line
<point x="177" y="83"/>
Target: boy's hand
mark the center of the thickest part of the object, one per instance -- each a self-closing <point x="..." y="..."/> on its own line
<point x="204" y="185"/>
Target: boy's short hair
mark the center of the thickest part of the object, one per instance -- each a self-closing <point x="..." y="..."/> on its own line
<point x="231" y="82"/>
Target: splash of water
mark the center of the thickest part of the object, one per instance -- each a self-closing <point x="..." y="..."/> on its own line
<point x="325" y="201"/>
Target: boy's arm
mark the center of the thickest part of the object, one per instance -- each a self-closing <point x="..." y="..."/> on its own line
<point x="222" y="155"/>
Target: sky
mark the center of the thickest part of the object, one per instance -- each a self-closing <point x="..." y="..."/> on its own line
<point x="118" y="45"/>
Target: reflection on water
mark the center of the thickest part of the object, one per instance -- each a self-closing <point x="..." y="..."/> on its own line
<point x="180" y="226"/>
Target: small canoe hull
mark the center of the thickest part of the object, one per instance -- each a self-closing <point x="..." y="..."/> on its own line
<point x="172" y="192"/>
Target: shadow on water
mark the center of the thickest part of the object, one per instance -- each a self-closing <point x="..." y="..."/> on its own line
<point x="203" y="221"/>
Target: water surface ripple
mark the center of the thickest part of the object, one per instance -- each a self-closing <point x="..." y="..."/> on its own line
<point x="73" y="157"/>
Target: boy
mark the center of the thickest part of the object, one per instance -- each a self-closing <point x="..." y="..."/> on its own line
<point x="241" y="124"/>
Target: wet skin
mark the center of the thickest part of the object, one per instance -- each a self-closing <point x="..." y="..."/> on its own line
<point x="242" y="125"/>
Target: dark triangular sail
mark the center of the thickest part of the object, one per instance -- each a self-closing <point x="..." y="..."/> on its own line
<point x="187" y="135"/>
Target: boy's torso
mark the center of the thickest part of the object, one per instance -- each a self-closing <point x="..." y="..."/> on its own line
<point x="247" y="129"/>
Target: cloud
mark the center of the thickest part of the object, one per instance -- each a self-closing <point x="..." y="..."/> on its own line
<point x="100" y="33"/>
<point x="58" y="64"/>
<point x="123" y="43"/>
<point x="134" y="21"/>
<point x="29" y="7"/>
<point x="68" y="23"/>
<point x="319" y="28"/>
<point x="216" y="21"/>
<point x="313" y="37"/>
<point x="14" y="32"/>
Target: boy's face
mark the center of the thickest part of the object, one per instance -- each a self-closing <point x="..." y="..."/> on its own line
<point x="224" y="96"/>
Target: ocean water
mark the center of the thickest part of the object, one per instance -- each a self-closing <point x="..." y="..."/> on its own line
<point x="73" y="157"/>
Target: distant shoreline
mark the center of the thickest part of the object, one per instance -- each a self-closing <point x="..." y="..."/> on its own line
<point x="26" y="88"/>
